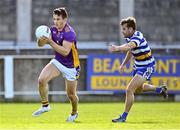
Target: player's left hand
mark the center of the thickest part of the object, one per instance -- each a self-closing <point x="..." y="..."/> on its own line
<point x="121" y="69"/>
<point x="47" y="39"/>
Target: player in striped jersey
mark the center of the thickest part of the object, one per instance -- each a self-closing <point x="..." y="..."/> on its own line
<point x="144" y="65"/>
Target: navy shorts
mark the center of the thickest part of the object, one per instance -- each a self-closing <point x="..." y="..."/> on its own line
<point x="145" y="72"/>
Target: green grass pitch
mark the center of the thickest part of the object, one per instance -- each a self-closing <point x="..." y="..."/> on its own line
<point x="92" y="116"/>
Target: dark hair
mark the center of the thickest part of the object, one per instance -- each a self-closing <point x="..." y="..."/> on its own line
<point x="61" y="12"/>
<point x="130" y="21"/>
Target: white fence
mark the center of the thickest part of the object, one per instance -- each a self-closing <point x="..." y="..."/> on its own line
<point x="9" y="78"/>
<point x="9" y="63"/>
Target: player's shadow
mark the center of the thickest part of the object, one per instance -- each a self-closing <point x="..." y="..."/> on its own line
<point x="147" y="122"/>
<point x="76" y="122"/>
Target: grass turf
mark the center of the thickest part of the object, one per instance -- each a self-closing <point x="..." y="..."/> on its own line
<point x="94" y="116"/>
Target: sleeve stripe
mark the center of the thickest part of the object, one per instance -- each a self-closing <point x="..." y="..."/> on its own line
<point x="137" y="42"/>
<point x="132" y="42"/>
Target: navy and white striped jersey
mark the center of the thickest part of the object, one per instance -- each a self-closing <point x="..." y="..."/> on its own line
<point x="142" y="51"/>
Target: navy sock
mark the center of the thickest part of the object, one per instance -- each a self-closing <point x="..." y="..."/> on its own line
<point x="158" y="90"/>
<point x="124" y="115"/>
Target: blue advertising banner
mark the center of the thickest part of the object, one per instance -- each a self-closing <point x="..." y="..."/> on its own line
<point x="103" y="72"/>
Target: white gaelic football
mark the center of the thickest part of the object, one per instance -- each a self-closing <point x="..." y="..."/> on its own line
<point x="42" y="30"/>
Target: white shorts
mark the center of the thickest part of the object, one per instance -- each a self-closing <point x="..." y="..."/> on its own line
<point x="70" y="74"/>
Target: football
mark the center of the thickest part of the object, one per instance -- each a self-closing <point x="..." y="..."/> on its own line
<point x="42" y="30"/>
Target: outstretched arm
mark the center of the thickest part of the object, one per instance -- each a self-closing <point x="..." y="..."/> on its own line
<point x="124" y="47"/>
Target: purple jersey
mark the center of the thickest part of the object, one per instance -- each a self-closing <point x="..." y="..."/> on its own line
<point x="67" y="34"/>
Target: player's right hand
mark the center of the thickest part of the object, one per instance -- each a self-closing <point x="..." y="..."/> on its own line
<point x="41" y="42"/>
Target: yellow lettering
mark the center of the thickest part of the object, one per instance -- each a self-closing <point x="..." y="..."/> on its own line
<point x="116" y="65"/>
<point x="106" y="65"/>
<point x="163" y="66"/>
<point x="174" y="64"/>
<point x="173" y="83"/>
<point x="97" y="65"/>
<point x="110" y="82"/>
